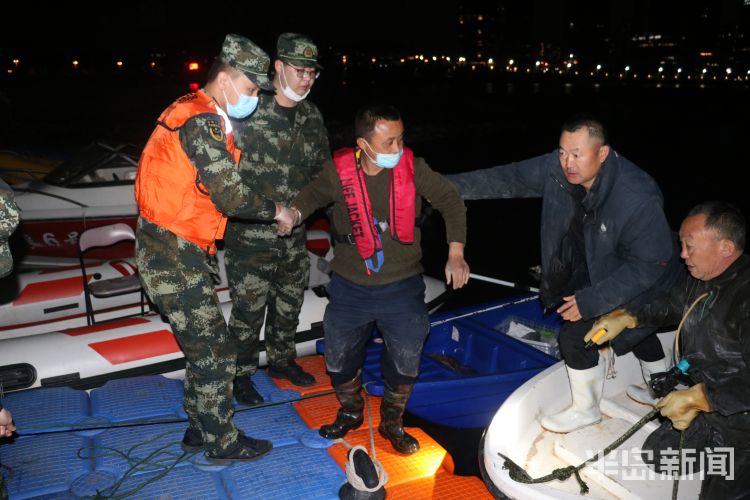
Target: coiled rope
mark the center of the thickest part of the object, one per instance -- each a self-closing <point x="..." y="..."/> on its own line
<point x="351" y="475"/>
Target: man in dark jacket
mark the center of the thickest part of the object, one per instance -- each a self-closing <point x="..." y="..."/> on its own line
<point x="605" y="244"/>
<point x="714" y="341"/>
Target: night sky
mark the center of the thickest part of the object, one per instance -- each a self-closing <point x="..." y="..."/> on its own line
<point x="169" y="25"/>
<point x="120" y="28"/>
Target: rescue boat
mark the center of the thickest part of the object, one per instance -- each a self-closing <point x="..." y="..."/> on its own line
<point x="88" y="356"/>
<point x="54" y="299"/>
<point x="93" y="188"/>
<point x="515" y="433"/>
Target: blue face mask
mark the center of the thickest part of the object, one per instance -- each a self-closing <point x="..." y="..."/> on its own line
<point x="245" y="106"/>
<point x="385" y="160"/>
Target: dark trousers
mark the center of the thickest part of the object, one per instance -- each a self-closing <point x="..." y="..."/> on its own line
<point x="572" y="346"/>
<point x="396" y="309"/>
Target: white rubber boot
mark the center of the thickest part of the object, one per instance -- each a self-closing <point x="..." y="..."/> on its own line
<point x="640" y="392"/>
<point x="586" y="388"/>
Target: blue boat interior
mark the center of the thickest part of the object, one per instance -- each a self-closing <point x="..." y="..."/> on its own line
<point x="469" y="365"/>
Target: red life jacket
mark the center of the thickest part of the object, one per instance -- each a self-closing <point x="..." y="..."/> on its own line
<point x="402" y="199"/>
<point x="167" y="187"/>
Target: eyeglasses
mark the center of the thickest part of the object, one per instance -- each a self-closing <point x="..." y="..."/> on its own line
<point x="312" y="74"/>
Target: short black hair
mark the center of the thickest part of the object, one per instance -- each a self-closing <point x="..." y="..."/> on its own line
<point x="724" y="218"/>
<point x="367" y="116"/>
<point x="591" y="123"/>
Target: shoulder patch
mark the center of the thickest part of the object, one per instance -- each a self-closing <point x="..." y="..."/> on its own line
<point x="214" y="128"/>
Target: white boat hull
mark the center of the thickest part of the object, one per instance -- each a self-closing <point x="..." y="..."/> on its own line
<point x="53" y="299"/>
<point x="88" y="355"/>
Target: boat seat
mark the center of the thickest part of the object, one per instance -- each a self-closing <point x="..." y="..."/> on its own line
<point x="116" y="286"/>
<point x="100" y="237"/>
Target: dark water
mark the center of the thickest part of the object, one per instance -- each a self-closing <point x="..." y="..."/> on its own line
<point x="691" y="139"/>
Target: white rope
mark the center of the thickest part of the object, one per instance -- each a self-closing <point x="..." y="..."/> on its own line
<point x="480" y="311"/>
<point x="356" y="481"/>
<point x="611" y="371"/>
<point x="503" y="282"/>
<point x="351" y="475"/>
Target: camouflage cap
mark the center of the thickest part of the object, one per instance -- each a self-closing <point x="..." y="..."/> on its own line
<point x="242" y="54"/>
<point x="298" y="50"/>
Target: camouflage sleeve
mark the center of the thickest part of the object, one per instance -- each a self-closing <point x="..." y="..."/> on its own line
<point x="322" y="151"/>
<point x="204" y="142"/>
<point x="8" y="212"/>
<point x="320" y="192"/>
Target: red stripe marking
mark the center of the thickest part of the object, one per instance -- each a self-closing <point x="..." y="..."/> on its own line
<point x="136" y="347"/>
<point x="51" y="290"/>
<point x="123" y="267"/>
<point x="103" y="327"/>
<point x="68" y="268"/>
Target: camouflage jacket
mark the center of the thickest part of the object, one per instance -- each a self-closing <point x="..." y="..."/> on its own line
<point x="219" y="174"/>
<point x="8" y="223"/>
<point x="278" y="160"/>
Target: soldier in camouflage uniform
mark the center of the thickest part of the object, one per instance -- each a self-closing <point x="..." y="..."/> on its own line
<point x="8" y="223"/>
<point x="187" y="184"/>
<point x="287" y="144"/>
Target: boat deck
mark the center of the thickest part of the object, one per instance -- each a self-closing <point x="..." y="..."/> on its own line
<point x="620" y="475"/>
<point x="68" y="446"/>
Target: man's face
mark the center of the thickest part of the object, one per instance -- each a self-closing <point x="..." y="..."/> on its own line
<point x="239" y="84"/>
<point x="581" y="157"/>
<point x="701" y="248"/>
<point x="387" y="137"/>
<point x="298" y="78"/>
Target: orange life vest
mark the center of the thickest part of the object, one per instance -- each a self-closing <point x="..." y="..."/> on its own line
<point x="401" y="203"/>
<point x="168" y="188"/>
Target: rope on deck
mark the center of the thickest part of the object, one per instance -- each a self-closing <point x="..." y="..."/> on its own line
<point x="561" y="474"/>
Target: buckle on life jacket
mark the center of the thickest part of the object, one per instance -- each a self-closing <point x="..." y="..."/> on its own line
<point x="372" y="268"/>
<point x="380" y="227"/>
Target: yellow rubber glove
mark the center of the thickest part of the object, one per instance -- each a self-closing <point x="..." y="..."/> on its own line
<point x="681" y="407"/>
<point x="613" y="323"/>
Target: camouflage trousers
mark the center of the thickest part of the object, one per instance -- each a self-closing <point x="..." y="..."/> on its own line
<point x="188" y="299"/>
<point x="266" y="281"/>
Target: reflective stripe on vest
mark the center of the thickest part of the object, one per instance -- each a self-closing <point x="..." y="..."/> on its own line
<point x="402" y="199"/>
<point x="168" y="188"/>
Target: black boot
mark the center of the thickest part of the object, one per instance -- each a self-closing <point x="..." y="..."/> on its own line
<point x="247" y="449"/>
<point x="391" y="419"/>
<point x="245" y="392"/>
<point x="350" y="414"/>
<point x="192" y="441"/>
<point x="292" y="372"/>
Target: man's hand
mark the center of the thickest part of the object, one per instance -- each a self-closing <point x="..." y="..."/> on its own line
<point x="287" y="218"/>
<point x="569" y="310"/>
<point x="456" y="269"/>
<point x="614" y="323"/>
<point x="681" y="407"/>
<point x="6" y="424"/>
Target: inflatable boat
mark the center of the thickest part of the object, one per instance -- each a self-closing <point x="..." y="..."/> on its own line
<point x="515" y="433"/>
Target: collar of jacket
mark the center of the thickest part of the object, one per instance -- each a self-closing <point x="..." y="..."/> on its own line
<point x="603" y="183"/>
<point x="730" y="273"/>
